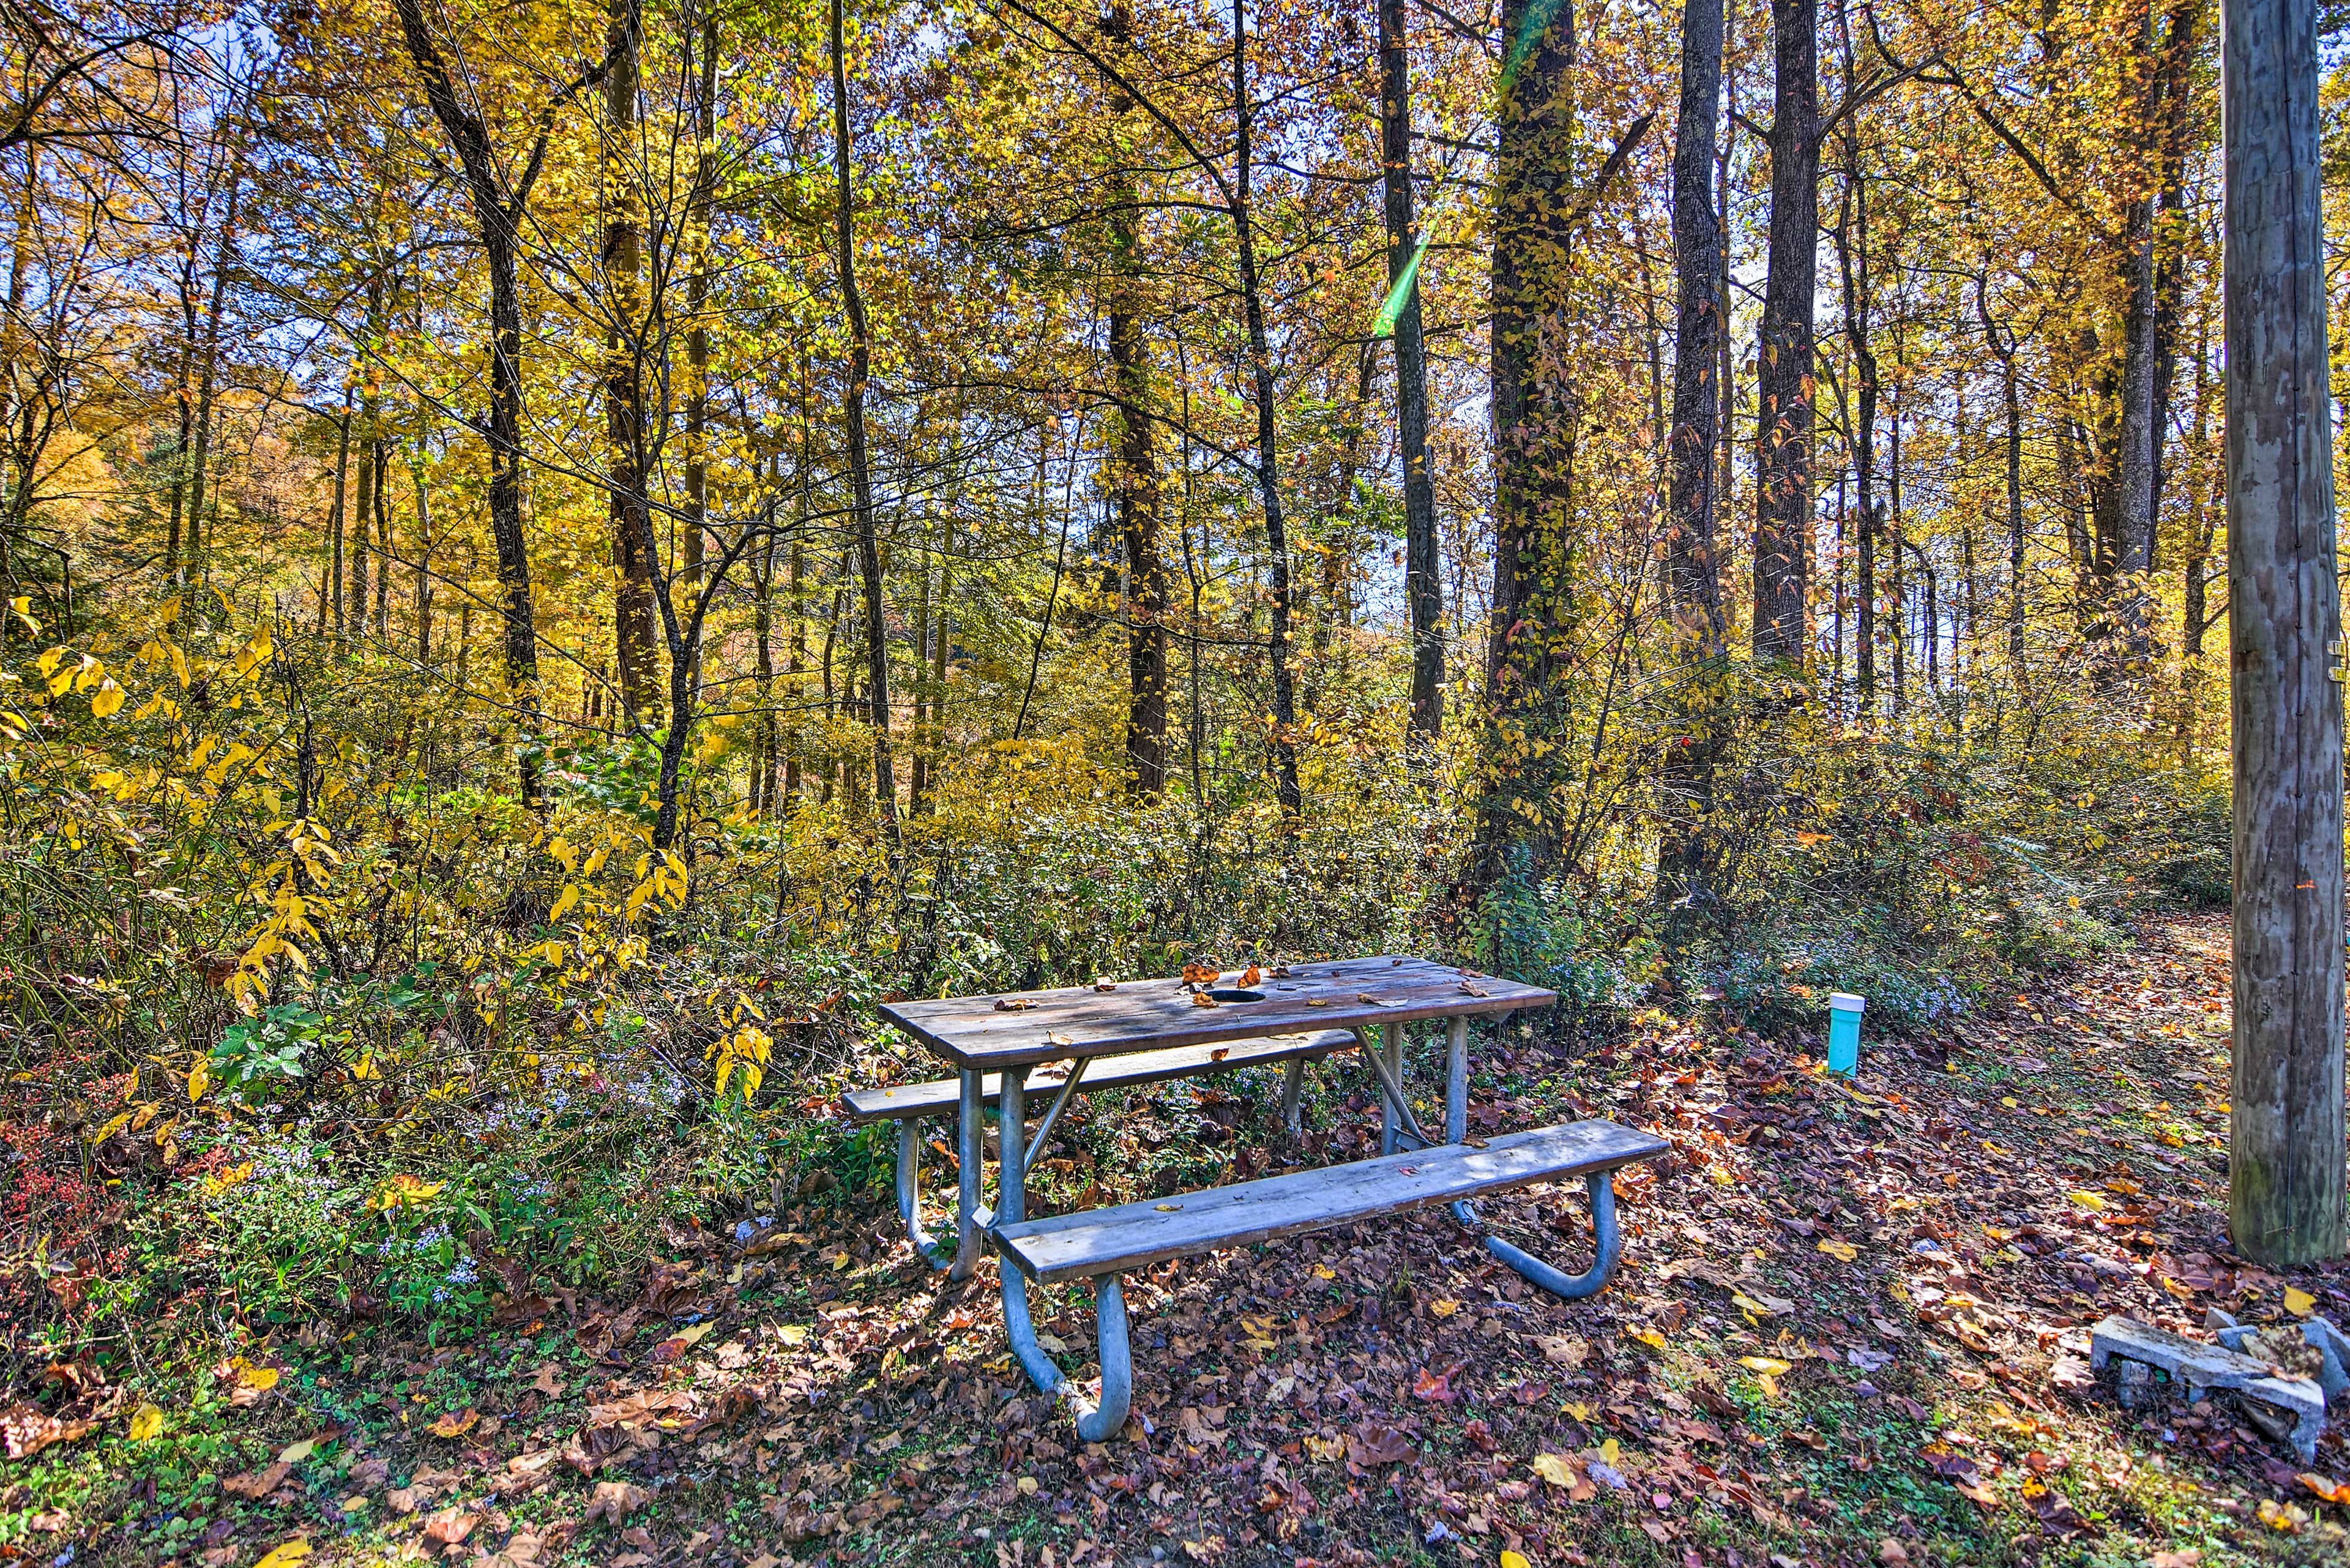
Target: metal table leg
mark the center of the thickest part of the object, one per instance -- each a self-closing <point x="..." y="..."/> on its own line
<point x="1391" y="1061"/>
<point x="910" y="1194"/>
<point x="970" y="1147"/>
<point x="1601" y="1187"/>
<point x="1097" y="1422"/>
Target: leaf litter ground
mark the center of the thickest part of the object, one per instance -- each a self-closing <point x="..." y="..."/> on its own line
<point x="1850" y="1326"/>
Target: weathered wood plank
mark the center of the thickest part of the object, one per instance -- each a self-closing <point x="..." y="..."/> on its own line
<point x="1133" y="1235"/>
<point x="939" y="1097"/>
<point x="1079" y="1020"/>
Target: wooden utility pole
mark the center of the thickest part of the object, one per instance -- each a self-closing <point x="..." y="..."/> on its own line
<point x="2285" y="1160"/>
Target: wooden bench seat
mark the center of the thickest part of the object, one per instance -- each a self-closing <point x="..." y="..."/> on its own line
<point x="1099" y="1245"/>
<point x="897" y="1102"/>
<point x="1134" y="1235"/>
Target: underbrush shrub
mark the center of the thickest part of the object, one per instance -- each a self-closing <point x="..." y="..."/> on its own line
<point x="308" y="1015"/>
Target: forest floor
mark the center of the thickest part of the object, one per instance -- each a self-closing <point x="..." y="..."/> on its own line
<point x="1850" y="1326"/>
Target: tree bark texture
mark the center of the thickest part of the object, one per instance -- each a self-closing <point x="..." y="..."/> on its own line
<point x="1692" y="580"/>
<point x="1423" y="588"/>
<point x="1783" y="463"/>
<point x="1138" y="482"/>
<point x="860" y="466"/>
<point x="624" y="396"/>
<point x="1268" y="446"/>
<point x="497" y="215"/>
<point x="1534" y="126"/>
<point x="2285" y="1161"/>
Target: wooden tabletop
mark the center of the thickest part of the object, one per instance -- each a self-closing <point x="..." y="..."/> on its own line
<point x="1138" y="1014"/>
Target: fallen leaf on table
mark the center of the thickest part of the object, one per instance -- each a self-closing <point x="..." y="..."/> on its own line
<point x="1058" y="1037"/>
<point x="1104" y="983"/>
<point x="1201" y="999"/>
<point x="1254" y="975"/>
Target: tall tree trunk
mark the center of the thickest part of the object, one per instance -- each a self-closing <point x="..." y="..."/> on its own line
<point x="1783" y="520"/>
<point x="1423" y="588"/>
<point x="860" y="472"/>
<point x="1852" y="257"/>
<point x="2174" y="82"/>
<point x="200" y="532"/>
<point x="624" y="393"/>
<point x="1692" y="580"/>
<point x="2286" y="1170"/>
<point x="336" y="515"/>
<point x="1268" y="446"/>
<point x="383" y="555"/>
<point x="697" y="306"/>
<point x="1534" y="128"/>
<point x="498" y="203"/>
<point x="1137" y="478"/>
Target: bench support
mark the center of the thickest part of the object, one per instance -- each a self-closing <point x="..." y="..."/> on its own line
<point x="910" y="1194"/>
<point x="971" y="1145"/>
<point x="1098" y="1422"/>
<point x="1602" y="1188"/>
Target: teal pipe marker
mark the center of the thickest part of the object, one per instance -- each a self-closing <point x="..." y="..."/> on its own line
<point x="1844" y="1032"/>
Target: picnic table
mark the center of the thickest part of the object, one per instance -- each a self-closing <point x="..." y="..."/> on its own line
<point x="1006" y="1047"/>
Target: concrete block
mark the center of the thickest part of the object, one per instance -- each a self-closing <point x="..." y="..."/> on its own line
<point x="2201" y="1366"/>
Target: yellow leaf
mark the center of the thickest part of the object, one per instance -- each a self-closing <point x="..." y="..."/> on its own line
<point x="2088" y="1200"/>
<point x="108" y="700"/>
<point x="693" y="1335"/>
<point x="259" y="1379"/>
<point x="1514" y="1560"/>
<point x="2299" y="1303"/>
<point x="400" y="1190"/>
<point x="295" y="1453"/>
<point x="2007" y="1100"/>
<point x="1445" y="1307"/>
<point x="569" y="896"/>
<point x="1555" y="1469"/>
<point x="200" y="1078"/>
<point x="1580" y="1411"/>
<point x="1321" y="1272"/>
<point x="1842" y="1251"/>
<point x="1721" y="1176"/>
<point x="286" y="1555"/>
<point x="1648" y="1336"/>
<point x="146" y="1422"/>
<point x="217" y="1184"/>
<point x="1611" y="1452"/>
<point x="1768" y="1366"/>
